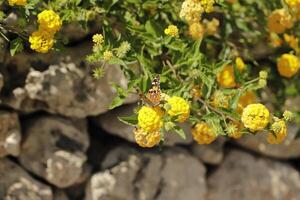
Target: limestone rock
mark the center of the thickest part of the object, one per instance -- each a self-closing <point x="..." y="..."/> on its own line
<point x="68" y="90"/>
<point x="111" y="124"/>
<point x="130" y="174"/>
<point x="16" y="184"/>
<point x="212" y="153"/>
<point x="54" y="148"/>
<point x="290" y="148"/>
<point x="10" y="134"/>
<point x="243" y="176"/>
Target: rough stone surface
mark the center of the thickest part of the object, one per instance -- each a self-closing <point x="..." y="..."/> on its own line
<point x="212" y="153"/>
<point x="290" y="148"/>
<point x="16" y="184"/>
<point x="10" y="134"/>
<point x="68" y="90"/>
<point x="54" y="148"/>
<point x="110" y="123"/>
<point x="129" y="174"/>
<point x="243" y="176"/>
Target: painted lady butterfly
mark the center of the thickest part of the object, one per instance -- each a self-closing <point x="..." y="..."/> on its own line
<point x="153" y="96"/>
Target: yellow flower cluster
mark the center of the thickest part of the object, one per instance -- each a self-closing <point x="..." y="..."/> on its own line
<point x="211" y="27"/>
<point x="279" y="21"/>
<point x="226" y="77"/>
<point x="294" y="6"/>
<point x="98" y="39"/>
<point x="191" y="10"/>
<point x="203" y="133"/>
<point x="149" y="122"/>
<point x="288" y="65"/>
<point x="291" y="40"/>
<point x="150" y="119"/>
<point x="275" y="40"/>
<point x="279" y="132"/>
<point x="172" y="30"/>
<point x="255" y="117"/>
<point x="145" y="139"/>
<point x="17" y="2"/>
<point x="240" y="64"/>
<point x="107" y="55"/>
<point x="49" y="21"/>
<point x="245" y="100"/>
<point x="234" y="130"/>
<point x="196" y="30"/>
<point x="43" y="39"/>
<point x="179" y="108"/>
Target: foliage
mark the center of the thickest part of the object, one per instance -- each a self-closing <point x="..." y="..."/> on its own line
<point x="211" y="60"/>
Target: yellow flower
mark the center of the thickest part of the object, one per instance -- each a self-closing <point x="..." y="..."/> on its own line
<point x="288" y="65"/>
<point x="234" y="130"/>
<point x="226" y="77"/>
<point x="41" y="41"/>
<point x="150" y="119"/>
<point x="292" y="3"/>
<point x="279" y="132"/>
<point x="291" y="40"/>
<point x="245" y="100"/>
<point x="196" y="91"/>
<point x="179" y="108"/>
<point x="219" y="100"/>
<point x="196" y="30"/>
<point x="255" y="117"/>
<point x="203" y="133"/>
<point x="172" y="30"/>
<point x="191" y="11"/>
<point x="49" y="21"/>
<point x="240" y="64"/>
<point x="17" y="2"/>
<point x="107" y="55"/>
<point x="275" y="40"/>
<point x="208" y="5"/>
<point x="98" y="39"/>
<point x="279" y="21"/>
<point x="145" y="139"/>
<point x="211" y="27"/>
<point x="294" y="6"/>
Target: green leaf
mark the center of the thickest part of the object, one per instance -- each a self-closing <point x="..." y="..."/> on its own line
<point x="152" y="28"/>
<point x="179" y="131"/>
<point x="230" y="113"/>
<point x="129" y="120"/>
<point x="16" y="46"/>
<point x="120" y="98"/>
<point x="214" y="121"/>
<point x="116" y="102"/>
<point x="234" y="101"/>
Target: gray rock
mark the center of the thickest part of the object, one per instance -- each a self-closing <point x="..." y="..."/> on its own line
<point x="130" y="174"/>
<point x="212" y="153"/>
<point x="60" y="195"/>
<point x="243" y="176"/>
<point x="290" y="148"/>
<point x="68" y="90"/>
<point x="16" y="184"/>
<point x="111" y="124"/>
<point x="54" y="148"/>
<point x="10" y="134"/>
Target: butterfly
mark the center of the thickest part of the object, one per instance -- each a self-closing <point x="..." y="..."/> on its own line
<point x="153" y="96"/>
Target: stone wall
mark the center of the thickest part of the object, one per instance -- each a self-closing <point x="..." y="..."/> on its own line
<point x="58" y="141"/>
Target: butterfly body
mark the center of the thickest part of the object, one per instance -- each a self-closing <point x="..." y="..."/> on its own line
<point x="153" y="96"/>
